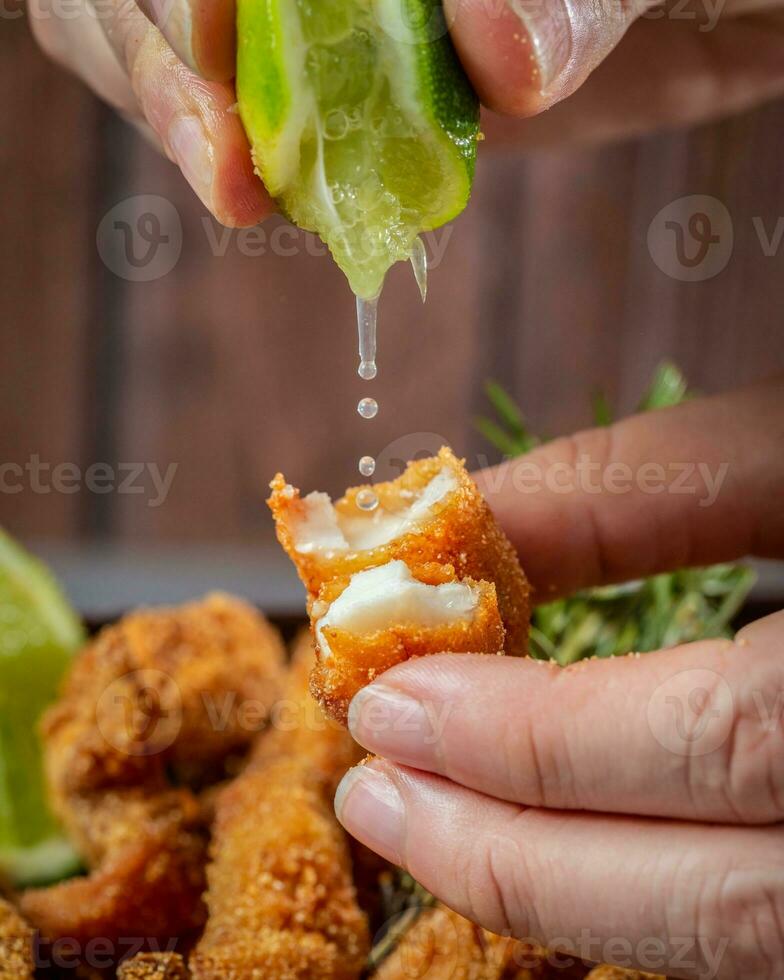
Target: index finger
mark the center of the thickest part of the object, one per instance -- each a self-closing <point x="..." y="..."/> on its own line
<point x="692" y="485"/>
<point x="688" y="732"/>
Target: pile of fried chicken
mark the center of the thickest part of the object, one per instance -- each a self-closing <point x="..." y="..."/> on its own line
<point x="194" y="772"/>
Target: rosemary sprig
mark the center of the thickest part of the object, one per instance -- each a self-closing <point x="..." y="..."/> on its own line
<point x="664" y="610"/>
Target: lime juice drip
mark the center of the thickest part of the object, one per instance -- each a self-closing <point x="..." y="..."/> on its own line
<point x="419" y="265"/>
<point x="367" y="314"/>
<point x="366" y="499"/>
<point x="368" y="408"/>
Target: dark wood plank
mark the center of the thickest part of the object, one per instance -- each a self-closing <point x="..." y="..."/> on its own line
<point x="47" y="254"/>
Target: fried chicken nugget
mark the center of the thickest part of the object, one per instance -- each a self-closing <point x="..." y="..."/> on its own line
<point x="148" y="854"/>
<point x="442" y="945"/>
<point x="432" y="513"/>
<point x="153" y="966"/>
<point x="382" y="616"/>
<point x="282" y="904"/>
<point x="163" y="692"/>
<point x="16" y="945"/>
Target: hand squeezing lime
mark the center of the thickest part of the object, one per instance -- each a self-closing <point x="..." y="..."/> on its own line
<point x="362" y="123"/>
<point x="38" y="635"/>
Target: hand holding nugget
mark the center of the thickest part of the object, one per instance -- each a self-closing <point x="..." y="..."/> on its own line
<point x="640" y="798"/>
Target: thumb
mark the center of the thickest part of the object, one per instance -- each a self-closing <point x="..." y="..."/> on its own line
<point x="525" y="55"/>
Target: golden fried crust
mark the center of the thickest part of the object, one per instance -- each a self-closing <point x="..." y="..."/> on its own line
<point x="460" y="531"/>
<point x="354" y="660"/>
<point x="442" y="945"/>
<point x="153" y="966"/>
<point x="164" y="691"/>
<point x="149" y="878"/>
<point x="281" y="899"/>
<point x="144" y="696"/>
<point x="16" y="945"/>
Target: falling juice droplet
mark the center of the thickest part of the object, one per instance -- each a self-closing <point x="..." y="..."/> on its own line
<point x="368" y="408"/>
<point x="419" y="265"/>
<point x="367" y="466"/>
<point x="366" y="499"/>
<point x="367" y="313"/>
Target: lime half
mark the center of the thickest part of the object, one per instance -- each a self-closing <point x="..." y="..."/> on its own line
<point x="362" y="122"/>
<point x="39" y="634"/>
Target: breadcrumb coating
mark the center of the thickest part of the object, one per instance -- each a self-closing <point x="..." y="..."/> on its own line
<point x="163" y="690"/>
<point x="442" y="945"/>
<point x="16" y="945"/>
<point x="148" y="855"/>
<point x="153" y="966"/>
<point x="162" y="693"/>
<point x="458" y="530"/>
<point x="355" y="659"/>
<point x="281" y="900"/>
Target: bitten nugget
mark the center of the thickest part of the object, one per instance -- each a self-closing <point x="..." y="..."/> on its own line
<point x="281" y="900"/>
<point x="382" y="616"/>
<point x="16" y="945"/>
<point x="153" y="966"/>
<point x="433" y="513"/>
<point x="442" y="945"/>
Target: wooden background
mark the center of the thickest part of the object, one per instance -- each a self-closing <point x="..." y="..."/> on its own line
<point x="234" y="365"/>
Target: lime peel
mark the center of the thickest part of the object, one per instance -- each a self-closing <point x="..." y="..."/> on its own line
<point x="362" y="123"/>
<point x="39" y="633"/>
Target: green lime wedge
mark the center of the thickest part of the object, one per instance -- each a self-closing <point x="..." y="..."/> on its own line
<point x="39" y="634"/>
<point x="362" y="122"/>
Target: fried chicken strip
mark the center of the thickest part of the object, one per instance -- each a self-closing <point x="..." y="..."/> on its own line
<point x="442" y="945"/>
<point x="16" y="945"/>
<point x="148" y="855"/>
<point x="385" y="615"/>
<point x="163" y="692"/>
<point x="282" y="904"/>
<point x="153" y="966"/>
<point x="432" y="513"/>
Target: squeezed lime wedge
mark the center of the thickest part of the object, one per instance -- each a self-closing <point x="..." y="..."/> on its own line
<point x="39" y="634"/>
<point x="361" y="120"/>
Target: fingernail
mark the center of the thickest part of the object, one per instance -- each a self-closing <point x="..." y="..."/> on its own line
<point x="549" y="32"/>
<point x="175" y="19"/>
<point x="370" y="807"/>
<point x="191" y="148"/>
<point x="395" y="725"/>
